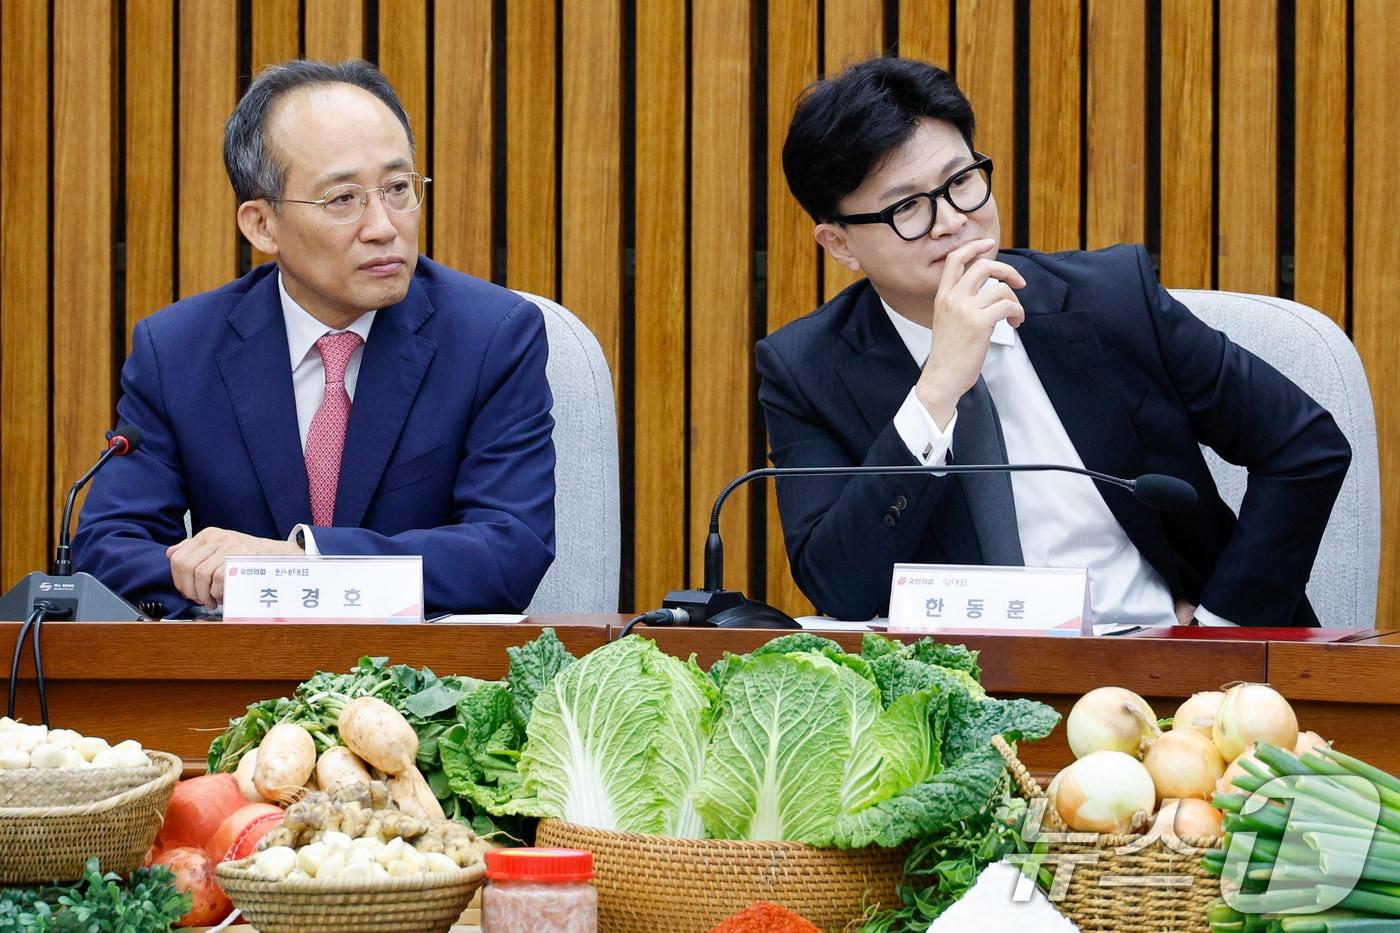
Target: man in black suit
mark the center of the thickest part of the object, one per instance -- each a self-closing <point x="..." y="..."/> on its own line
<point x="952" y="351"/>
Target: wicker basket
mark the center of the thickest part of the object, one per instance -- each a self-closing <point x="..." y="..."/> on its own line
<point x="1127" y="883"/>
<point x="37" y="787"/>
<point x="648" y="884"/>
<point x="417" y="904"/>
<point x="44" y="844"/>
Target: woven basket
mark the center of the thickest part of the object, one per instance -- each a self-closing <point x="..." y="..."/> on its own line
<point x="37" y="787"/>
<point x="418" y="904"/>
<point x="44" y="844"/>
<point x="648" y="884"/>
<point x="1124" y="883"/>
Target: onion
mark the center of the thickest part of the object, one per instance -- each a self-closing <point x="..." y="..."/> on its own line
<point x="1105" y="792"/>
<point x="1254" y="713"/>
<point x="1198" y="713"/>
<point x="1110" y="719"/>
<point x="1188" y="819"/>
<point x="1307" y="741"/>
<point x="194" y="872"/>
<point x="1226" y="784"/>
<point x="1183" y="764"/>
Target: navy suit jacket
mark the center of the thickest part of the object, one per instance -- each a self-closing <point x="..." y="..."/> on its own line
<point x="448" y="451"/>
<point x="1138" y="382"/>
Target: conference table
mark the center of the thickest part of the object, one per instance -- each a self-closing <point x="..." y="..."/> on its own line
<point x="174" y="685"/>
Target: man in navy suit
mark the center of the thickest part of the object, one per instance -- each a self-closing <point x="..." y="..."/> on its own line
<point x="350" y="398"/>
<point x="953" y="351"/>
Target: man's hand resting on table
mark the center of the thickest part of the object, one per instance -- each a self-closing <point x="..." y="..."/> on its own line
<point x="197" y="564"/>
<point x="1185" y="612"/>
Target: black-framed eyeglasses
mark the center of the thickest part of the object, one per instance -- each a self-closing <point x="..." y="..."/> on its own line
<point x="344" y="204"/>
<point x="913" y="217"/>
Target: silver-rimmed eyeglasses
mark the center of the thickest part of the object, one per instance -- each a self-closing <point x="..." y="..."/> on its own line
<point x="344" y="204"/>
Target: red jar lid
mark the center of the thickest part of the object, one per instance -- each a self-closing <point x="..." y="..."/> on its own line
<point x="540" y="865"/>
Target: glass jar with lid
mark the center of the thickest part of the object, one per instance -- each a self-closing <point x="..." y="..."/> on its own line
<point x="539" y="891"/>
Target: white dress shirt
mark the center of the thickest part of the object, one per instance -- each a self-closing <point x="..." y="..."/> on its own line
<point x="1062" y="518"/>
<point x="309" y="372"/>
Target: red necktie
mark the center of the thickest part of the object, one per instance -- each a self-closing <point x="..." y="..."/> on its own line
<point x="325" y="440"/>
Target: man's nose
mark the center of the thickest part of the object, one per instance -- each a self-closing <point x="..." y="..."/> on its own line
<point x="946" y="219"/>
<point x="376" y="224"/>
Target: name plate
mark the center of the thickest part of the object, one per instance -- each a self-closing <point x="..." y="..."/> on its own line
<point x="323" y="589"/>
<point x="928" y="597"/>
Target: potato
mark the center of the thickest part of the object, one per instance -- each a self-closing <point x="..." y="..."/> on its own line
<point x="338" y="766"/>
<point x="286" y="758"/>
<point x="378" y="734"/>
<point x="411" y="793"/>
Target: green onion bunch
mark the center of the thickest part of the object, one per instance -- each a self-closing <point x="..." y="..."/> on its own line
<point x="1322" y="837"/>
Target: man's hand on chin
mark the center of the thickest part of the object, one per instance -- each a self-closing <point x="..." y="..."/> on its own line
<point x="197" y="564"/>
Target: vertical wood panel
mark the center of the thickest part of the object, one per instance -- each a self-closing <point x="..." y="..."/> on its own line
<point x="208" y="229"/>
<point x="591" y="175"/>
<point x="1116" y="198"/>
<point x="924" y="31"/>
<point x="792" y="253"/>
<point x="24" y="290"/>
<point x="1376" y="256"/>
<point x="1320" y="157"/>
<point x="854" y="31"/>
<point x="721" y="263"/>
<point x="1188" y="182"/>
<point x="335" y="29"/>
<point x="275" y="32"/>
<point x="150" y="162"/>
<point x="84" y="172"/>
<point x="462" y="140"/>
<point x="660" y="538"/>
<point x="403" y="57"/>
<point x="531" y="154"/>
<point x="1247" y="239"/>
<point x="986" y="72"/>
<point x="1054" y="126"/>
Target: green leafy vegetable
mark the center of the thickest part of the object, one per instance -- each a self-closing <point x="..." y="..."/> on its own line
<point x="98" y="903"/>
<point x="615" y="741"/>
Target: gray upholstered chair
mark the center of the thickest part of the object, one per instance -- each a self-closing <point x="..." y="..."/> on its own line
<point x="587" y="520"/>
<point x="1312" y="351"/>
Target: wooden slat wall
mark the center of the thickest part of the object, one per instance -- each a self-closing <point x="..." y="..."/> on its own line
<point x="632" y="171"/>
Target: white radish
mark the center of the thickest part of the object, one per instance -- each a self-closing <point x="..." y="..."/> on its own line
<point x="286" y="758"/>
<point x="411" y="794"/>
<point x="378" y="734"/>
<point x="244" y="775"/>
<point x="338" y="766"/>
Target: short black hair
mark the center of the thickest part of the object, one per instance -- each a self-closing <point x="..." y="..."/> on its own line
<point x="844" y="125"/>
<point x="251" y="166"/>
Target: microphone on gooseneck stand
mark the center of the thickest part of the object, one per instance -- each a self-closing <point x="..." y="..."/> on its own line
<point x="61" y="593"/>
<point x="714" y="606"/>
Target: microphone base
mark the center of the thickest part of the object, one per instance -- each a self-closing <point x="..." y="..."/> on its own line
<point x="81" y="594"/>
<point x="727" y="609"/>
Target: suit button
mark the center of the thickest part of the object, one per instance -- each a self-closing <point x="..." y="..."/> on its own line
<point x="900" y="502"/>
<point x="891" y="519"/>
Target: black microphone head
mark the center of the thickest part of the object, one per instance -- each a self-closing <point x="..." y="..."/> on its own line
<point x="1165" y="493"/>
<point x="124" y="439"/>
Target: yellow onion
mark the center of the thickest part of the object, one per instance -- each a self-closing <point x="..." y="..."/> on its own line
<point x="1188" y="819"/>
<point x="1226" y="784"/>
<point x="1184" y="764"/>
<point x="1307" y="741"/>
<point x="1110" y="719"/>
<point x="1105" y="792"/>
<point x="1253" y="713"/>
<point x="1198" y="713"/>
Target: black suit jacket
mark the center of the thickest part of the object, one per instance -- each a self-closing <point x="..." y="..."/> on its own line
<point x="1138" y="382"/>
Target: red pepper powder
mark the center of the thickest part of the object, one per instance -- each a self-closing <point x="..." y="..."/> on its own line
<point x="766" y="917"/>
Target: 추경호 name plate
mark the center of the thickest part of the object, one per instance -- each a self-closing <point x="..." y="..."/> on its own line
<point x="323" y="589"/>
<point x="928" y="597"/>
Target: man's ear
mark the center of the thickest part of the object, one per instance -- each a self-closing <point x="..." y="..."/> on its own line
<point x="259" y="225"/>
<point x="832" y="238"/>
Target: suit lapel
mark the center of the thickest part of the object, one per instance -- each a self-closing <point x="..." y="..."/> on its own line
<point x="1071" y="364"/>
<point x="395" y="361"/>
<point x="258" y="377"/>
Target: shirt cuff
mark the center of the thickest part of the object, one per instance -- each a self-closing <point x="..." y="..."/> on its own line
<point x="1206" y="617"/>
<point x="308" y="540"/>
<point x="919" y="433"/>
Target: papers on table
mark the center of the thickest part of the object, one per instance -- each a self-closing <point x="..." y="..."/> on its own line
<point x="481" y="618"/>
